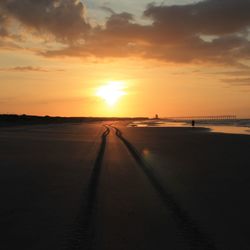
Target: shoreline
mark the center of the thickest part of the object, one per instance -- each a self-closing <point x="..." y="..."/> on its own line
<point x="225" y="129"/>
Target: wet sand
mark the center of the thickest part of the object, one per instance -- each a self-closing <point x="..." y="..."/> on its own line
<point x="197" y="187"/>
<point x="44" y="171"/>
<point x="208" y="174"/>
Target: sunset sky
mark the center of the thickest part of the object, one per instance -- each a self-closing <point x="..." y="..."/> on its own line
<point x="174" y="58"/>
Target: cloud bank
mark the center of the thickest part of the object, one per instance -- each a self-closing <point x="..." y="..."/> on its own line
<point x="65" y="19"/>
<point x="210" y="31"/>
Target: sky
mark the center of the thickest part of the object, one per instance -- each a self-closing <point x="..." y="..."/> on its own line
<point x="173" y="58"/>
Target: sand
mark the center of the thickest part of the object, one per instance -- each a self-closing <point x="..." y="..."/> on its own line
<point x="45" y="170"/>
<point x="207" y="173"/>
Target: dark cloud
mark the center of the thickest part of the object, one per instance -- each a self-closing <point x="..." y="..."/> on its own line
<point x="120" y="30"/>
<point x="176" y="34"/>
<point x="210" y="17"/>
<point x="62" y="18"/>
<point x="210" y="31"/>
<point x="3" y="25"/>
<point x="3" y="32"/>
<point x="197" y="50"/>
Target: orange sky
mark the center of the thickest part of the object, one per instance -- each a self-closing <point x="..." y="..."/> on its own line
<point x="168" y="64"/>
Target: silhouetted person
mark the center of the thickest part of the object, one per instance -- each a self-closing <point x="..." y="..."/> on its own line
<point x="193" y="123"/>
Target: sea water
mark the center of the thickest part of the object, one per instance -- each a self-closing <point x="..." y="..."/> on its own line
<point x="232" y="126"/>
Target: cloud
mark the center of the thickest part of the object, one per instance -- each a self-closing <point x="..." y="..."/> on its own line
<point x="28" y="68"/>
<point x="107" y="9"/>
<point x="176" y="34"/>
<point x="63" y="18"/>
<point x="210" y="17"/>
<point x="9" y="44"/>
<point x="234" y="73"/>
<point x="238" y="81"/>
<point x="223" y="50"/>
<point x="3" y="24"/>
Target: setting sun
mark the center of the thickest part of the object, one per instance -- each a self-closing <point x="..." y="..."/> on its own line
<point x="111" y="92"/>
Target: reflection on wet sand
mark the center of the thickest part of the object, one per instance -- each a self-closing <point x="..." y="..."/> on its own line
<point x="218" y="128"/>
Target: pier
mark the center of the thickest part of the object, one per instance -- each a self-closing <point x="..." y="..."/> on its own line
<point x="210" y="117"/>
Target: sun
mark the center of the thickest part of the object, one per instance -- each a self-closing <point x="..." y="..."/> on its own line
<point x="111" y="92"/>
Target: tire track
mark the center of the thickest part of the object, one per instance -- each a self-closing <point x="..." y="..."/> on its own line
<point x="188" y="228"/>
<point x="82" y="233"/>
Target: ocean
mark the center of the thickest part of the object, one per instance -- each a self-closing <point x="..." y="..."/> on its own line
<point x="231" y="126"/>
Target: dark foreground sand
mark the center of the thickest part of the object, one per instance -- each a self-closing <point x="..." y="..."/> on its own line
<point x="207" y="173"/>
<point x="44" y="173"/>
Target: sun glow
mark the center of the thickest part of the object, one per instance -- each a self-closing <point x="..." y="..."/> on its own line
<point x="111" y="92"/>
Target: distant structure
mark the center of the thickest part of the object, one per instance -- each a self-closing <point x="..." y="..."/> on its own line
<point x="200" y="118"/>
<point x="156" y="116"/>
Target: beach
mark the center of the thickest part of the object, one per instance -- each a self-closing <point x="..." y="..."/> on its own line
<point x="207" y="173"/>
<point x="152" y="188"/>
<point x="44" y="170"/>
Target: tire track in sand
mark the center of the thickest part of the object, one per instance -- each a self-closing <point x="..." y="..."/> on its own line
<point x="82" y="234"/>
<point x="188" y="228"/>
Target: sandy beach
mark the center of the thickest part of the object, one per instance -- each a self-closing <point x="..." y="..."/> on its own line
<point x="208" y="175"/>
<point x="189" y="189"/>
